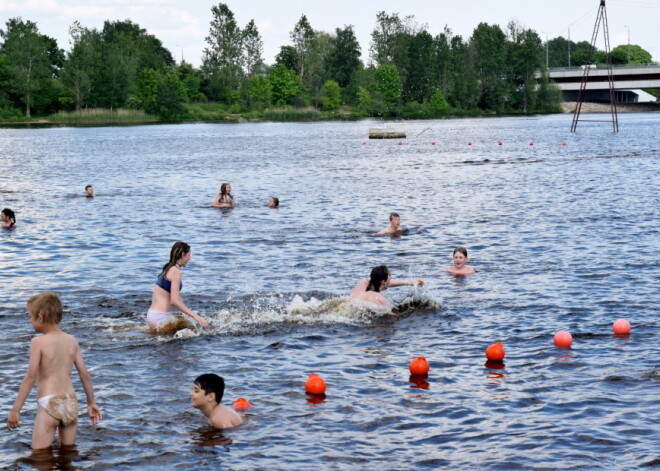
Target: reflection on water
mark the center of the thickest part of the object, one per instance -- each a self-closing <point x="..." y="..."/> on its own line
<point x="562" y="237"/>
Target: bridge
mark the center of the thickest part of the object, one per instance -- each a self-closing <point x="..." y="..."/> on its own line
<point x="628" y="82"/>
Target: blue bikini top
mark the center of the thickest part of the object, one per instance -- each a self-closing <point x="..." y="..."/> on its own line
<point x="166" y="284"/>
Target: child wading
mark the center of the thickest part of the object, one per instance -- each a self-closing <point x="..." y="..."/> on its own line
<point x="52" y="356"/>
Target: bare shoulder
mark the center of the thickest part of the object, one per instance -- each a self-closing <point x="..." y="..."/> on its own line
<point x="225" y="417"/>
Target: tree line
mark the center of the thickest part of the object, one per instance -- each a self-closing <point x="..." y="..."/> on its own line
<point x="410" y="72"/>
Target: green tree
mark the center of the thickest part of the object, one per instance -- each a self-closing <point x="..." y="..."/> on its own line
<point x="253" y="48"/>
<point x="285" y="85"/>
<point x="558" y="51"/>
<point x="258" y="91"/>
<point x="190" y="78"/>
<point x="437" y="104"/>
<point x="488" y="53"/>
<point x="316" y="73"/>
<point x="123" y="49"/>
<point x="222" y="62"/>
<point x="287" y="57"/>
<point x="580" y="54"/>
<point x="171" y="96"/>
<point x="386" y="90"/>
<point x="29" y="58"/>
<point x="77" y="72"/>
<point x="637" y="55"/>
<point x="147" y="90"/>
<point x="464" y="88"/>
<point x="343" y="59"/>
<point x="302" y="37"/>
<point x="421" y="79"/>
<point x="524" y="60"/>
<point x="331" y="97"/>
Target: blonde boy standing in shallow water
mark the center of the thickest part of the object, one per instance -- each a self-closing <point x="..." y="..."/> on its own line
<point x="52" y="357"/>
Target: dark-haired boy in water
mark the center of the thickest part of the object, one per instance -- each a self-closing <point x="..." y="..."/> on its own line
<point x="89" y="191"/>
<point x="394" y="227"/>
<point x="206" y="395"/>
<point x="460" y="257"/>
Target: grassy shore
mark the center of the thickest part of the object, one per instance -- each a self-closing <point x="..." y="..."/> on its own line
<point x="101" y="116"/>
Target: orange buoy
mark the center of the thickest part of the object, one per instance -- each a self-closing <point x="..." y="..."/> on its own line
<point x="621" y="327"/>
<point x="499" y="143"/>
<point x="531" y="143"/>
<point x="495" y="352"/>
<point x="563" y="339"/>
<point x="315" y="384"/>
<point x="433" y="143"/>
<point x="469" y="143"/>
<point x="419" y="366"/>
<point x="400" y="143"/>
<point x="241" y="403"/>
<point x="563" y="143"/>
<point x="363" y="142"/>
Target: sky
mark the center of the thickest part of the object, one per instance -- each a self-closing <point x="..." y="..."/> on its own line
<point x="182" y="25"/>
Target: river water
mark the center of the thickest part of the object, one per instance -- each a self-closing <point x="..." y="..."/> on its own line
<point x="563" y="234"/>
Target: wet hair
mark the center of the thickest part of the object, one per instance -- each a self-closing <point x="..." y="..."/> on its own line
<point x="394" y="215"/>
<point x="223" y="190"/>
<point x="212" y="383"/>
<point x="276" y="201"/>
<point x="48" y="305"/>
<point x="462" y="250"/>
<point x="378" y="275"/>
<point x="179" y="249"/>
<point x="10" y="214"/>
<point x="88" y="186"/>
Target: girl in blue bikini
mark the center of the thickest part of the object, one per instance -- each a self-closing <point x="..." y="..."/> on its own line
<point x="167" y="293"/>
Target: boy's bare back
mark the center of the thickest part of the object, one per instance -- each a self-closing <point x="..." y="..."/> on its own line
<point x="57" y="352"/>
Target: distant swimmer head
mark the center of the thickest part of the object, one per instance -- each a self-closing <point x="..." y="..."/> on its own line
<point x="273" y="202"/>
<point x="210" y="383"/>
<point x="395" y="220"/>
<point x="8" y="218"/>
<point x="379" y="279"/>
<point x="460" y="256"/>
<point x="225" y="189"/>
<point x="89" y="190"/>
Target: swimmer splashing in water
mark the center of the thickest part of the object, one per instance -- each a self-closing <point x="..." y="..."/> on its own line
<point x="370" y="290"/>
<point x="167" y="293"/>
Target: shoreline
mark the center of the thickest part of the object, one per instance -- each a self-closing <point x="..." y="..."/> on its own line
<point x="567" y="108"/>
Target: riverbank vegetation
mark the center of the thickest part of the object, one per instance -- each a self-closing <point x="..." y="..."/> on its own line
<point x="122" y="73"/>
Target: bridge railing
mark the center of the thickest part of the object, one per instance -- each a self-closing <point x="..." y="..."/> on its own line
<point x="595" y="66"/>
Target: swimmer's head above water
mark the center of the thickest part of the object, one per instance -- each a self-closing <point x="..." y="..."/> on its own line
<point x="379" y="279"/>
<point x="89" y="191"/>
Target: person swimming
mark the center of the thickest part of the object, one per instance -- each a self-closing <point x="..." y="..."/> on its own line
<point x="89" y="191"/>
<point x="460" y="257"/>
<point x="273" y="202"/>
<point x="370" y="291"/>
<point x="167" y="291"/>
<point x="8" y="218"/>
<point x="394" y="227"/>
<point x="224" y="199"/>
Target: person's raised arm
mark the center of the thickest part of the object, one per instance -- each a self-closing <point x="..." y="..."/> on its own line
<point x="411" y="282"/>
<point x="93" y="410"/>
<point x="26" y="386"/>
<point x="175" y="297"/>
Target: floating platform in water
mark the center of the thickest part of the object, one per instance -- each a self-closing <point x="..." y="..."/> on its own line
<point x="386" y="133"/>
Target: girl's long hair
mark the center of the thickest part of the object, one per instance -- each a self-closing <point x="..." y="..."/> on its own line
<point x="378" y="275"/>
<point x="223" y="191"/>
<point x="179" y="249"/>
<point x="10" y="214"/>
